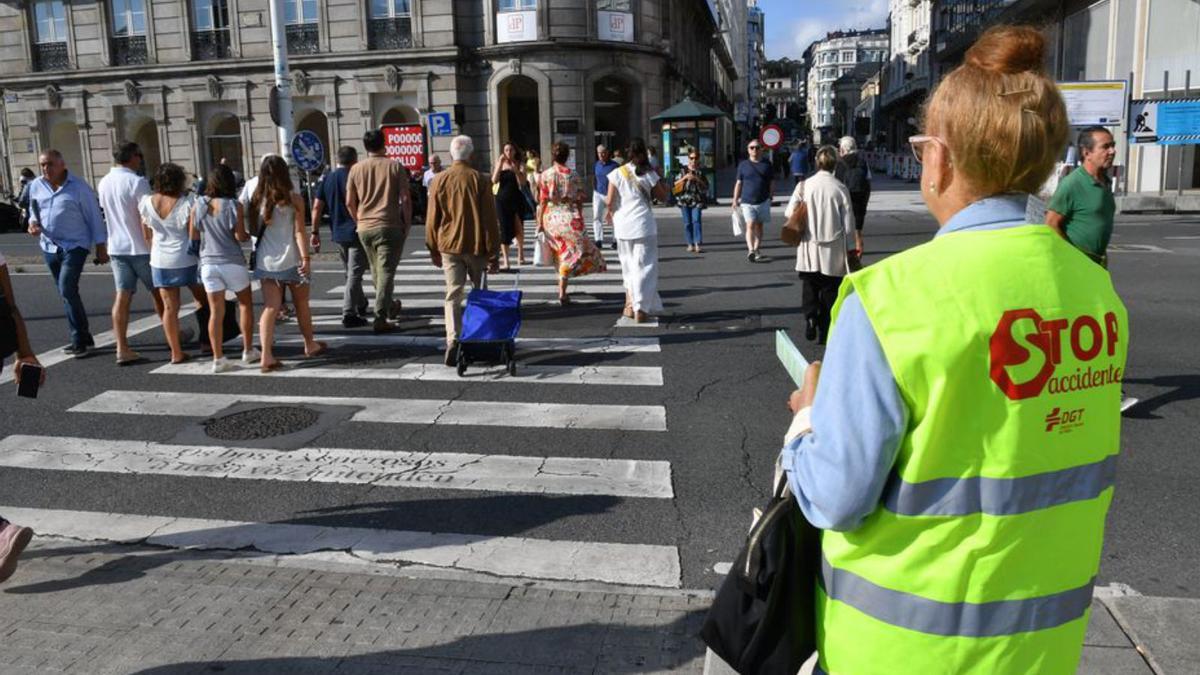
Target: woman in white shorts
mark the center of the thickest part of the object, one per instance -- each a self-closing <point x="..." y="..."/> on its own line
<point x="172" y="266"/>
<point x="217" y="225"/>
<point x="276" y="215"/>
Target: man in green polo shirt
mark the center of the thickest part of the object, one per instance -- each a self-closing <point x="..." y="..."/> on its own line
<point x="1083" y="207"/>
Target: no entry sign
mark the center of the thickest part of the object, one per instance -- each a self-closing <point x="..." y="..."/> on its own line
<point x="771" y="136"/>
<point x="405" y="143"/>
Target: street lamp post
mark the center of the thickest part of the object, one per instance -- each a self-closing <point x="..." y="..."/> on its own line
<point x="283" y="78"/>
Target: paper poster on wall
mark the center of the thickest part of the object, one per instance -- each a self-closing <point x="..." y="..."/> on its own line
<point x="614" y="26"/>
<point x="1100" y="102"/>
<point x="516" y="26"/>
<point x="1143" y="121"/>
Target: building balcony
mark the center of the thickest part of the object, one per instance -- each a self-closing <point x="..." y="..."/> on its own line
<point x="303" y="38"/>
<point x="129" y="50"/>
<point x="211" y="45"/>
<point x="393" y="33"/>
<point x="51" y="56"/>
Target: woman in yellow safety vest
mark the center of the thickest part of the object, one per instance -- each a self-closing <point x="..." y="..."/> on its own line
<point x="959" y="453"/>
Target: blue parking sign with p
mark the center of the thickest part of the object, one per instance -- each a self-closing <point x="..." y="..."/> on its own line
<point x="439" y="124"/>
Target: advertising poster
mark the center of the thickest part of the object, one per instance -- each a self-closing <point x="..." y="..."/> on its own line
<point x="1100" y="102"/>
<point x="516" y="26"/>
<point x="405" y="143"/>
<point x="614" y="26"/>
<point x="1178" y="122"/>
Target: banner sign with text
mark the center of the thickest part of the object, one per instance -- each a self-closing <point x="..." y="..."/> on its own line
<point x="516" y="26"/>
<point x="1165" y="122"/>
<point x="405" y="143"/>
<point x="1098" y="102"/>
<point x="614" y="26"/>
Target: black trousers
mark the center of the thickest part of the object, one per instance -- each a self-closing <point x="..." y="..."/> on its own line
<point x="817" y="294"/>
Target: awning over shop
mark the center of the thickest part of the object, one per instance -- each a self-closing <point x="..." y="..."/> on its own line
<point x="687" y="109"/>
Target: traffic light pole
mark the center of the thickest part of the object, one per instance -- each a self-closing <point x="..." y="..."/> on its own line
<point x="283" y="79"/>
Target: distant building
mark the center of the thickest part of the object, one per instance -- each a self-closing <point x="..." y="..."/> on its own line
<point x="907" y="75"/>
<point x="847" y="94"/>
<point x="756" y="57"/>
<point x="828" y="59"/>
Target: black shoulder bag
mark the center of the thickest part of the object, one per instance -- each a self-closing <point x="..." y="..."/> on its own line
<point x="262" y="227"/>
<point x="763" y="618"/>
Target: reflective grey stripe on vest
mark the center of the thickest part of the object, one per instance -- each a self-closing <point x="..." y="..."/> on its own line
<point x="999" y="496"/>
<point x="962" y="619"/>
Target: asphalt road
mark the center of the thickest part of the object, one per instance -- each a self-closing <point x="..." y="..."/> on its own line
<point x="723" y="394"/>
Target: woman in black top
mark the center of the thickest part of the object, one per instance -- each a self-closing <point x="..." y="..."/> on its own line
<point x="509" y="177"/>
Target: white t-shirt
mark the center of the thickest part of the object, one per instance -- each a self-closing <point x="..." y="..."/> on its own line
<point x="170" y="234"/>
<point x="634" y="219"/>
<point x="428" y="177"/>
<point x="119" y="193"/>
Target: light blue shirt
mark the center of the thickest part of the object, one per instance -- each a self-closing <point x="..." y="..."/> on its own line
<point x="839" y="470"/>
<point x="69" y="216"/>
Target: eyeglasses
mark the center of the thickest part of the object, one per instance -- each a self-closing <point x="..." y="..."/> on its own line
<point x="753" y="147"/>
<point x="918" y="144"/>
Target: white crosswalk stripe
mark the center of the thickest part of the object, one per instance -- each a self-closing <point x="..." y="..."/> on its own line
<point x="386" y="468"/>
<point x="613" y="345"/>
<point x="629" y="376"/>
<point x="513" y="414"/>
<point x="439" y="303"/>
<point x="631" y="564"/>
<point x="440" y="288"/>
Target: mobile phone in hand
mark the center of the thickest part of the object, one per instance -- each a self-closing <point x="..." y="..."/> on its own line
<point x="31" y="379"/>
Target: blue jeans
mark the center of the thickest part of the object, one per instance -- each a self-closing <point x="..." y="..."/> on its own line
<point x="692" y="234"/>
<point x="65" y="267"/>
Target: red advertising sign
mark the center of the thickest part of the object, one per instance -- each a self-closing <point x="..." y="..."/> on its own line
<point x="405" y="143"/>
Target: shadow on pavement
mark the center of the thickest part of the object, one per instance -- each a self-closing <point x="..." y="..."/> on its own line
<point x="589" y="647"/>
<point x="1180" y="388"/>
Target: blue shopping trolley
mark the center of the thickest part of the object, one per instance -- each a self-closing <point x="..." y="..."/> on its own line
<point x="490" y="324"/>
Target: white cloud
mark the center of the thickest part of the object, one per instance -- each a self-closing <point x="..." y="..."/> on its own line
<point x="850" y="14"/>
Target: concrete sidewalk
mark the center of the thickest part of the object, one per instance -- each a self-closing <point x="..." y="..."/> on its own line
<point x="103" y="608"/>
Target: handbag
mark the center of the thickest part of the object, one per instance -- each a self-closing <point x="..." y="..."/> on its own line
<point x="262" y="227"/>
<point x="543" y="252"/>
<point x="763" y="617"/>
<point x="739" y="221"/>
<point x="796" y="225"/>
<point x="8" y="330"/>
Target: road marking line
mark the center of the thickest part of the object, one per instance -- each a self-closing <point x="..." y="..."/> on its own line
<point x="495" y="285"/>
<point x="630" y="564"/>
<point x="439" y="303"/>
<point x="395" y="410"/>
<point x="495" y="280"/>
<point x="385" y="468"/>
<point x="604" y="345"/>
<point x="609" y="254"/>
<point x="629" y="376"/>
<point x="336" y="320"/>
<point x="56" y="356"/>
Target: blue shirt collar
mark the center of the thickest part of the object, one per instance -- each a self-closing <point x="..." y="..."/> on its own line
<point x="989" y="213"/>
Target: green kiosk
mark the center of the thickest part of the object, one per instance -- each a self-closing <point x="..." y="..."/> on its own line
<point x="686" y="125"/>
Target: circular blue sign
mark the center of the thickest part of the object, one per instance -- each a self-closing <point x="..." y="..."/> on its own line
<point x="307" y="150"/>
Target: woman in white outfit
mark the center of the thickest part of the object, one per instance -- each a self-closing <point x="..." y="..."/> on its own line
<point x="631" y="191"/>
<point x="821" y="256"/>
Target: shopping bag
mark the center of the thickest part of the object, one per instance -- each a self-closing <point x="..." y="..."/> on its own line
<point x="543" y="252"/>
<point x="739" y="221"/>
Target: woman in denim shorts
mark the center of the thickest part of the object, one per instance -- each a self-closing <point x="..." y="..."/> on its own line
<point x="276" y="216"/>
<point x="172" y="266"/>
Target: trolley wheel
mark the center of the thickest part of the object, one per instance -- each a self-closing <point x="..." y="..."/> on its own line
<point x="511" y="358"/>
<point x="512" y="366"/>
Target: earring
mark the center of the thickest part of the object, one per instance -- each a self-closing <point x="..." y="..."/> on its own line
<point x="933" y="186"/>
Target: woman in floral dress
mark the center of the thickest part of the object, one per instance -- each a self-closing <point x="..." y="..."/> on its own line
<point x="560" y="217"/>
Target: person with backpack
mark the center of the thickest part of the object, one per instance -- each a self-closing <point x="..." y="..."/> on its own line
<point x="854" y="173"/>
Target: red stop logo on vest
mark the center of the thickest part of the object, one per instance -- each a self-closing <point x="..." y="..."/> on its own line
<point x="1023" y="336"/>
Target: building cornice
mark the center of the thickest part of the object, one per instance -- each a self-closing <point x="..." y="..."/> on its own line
<point x="234" y="67"/>
<point x="513" y="49"/>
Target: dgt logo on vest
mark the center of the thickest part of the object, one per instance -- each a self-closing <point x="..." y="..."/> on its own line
<point x="1012" y="345"/>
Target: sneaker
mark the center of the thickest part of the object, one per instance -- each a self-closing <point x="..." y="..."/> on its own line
<point x="251" y="356"/>
<point x="451" y="354"/>
<point x="750" y="256"/>
<point x="77" y="351"/>
<point x="13" y="540"/>
<point x="354" y="321"/>
<point x="222" y="365"/>
<point x="128" y="358"/>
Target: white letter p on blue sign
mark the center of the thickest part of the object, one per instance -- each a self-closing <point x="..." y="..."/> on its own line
<point x="439" y="124"/>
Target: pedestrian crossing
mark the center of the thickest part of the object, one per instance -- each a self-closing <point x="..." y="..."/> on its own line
<point x="397" y="381"/>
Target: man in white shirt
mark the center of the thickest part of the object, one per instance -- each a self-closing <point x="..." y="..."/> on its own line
<point x="435" y="167"/>
<point x="119" y="193"/>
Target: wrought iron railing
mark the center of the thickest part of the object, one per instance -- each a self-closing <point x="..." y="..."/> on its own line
<point x="129" y="50"/>
<point x="210" y="45"/>
<point x="51" y="56"/>
<point x="389" y="33"/>
<point x="303" y="38"/>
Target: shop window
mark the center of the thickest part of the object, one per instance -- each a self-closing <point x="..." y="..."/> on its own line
<point x="516" y="21"/>
<point x="614" y="20"/>
<point x="390" y="25"/>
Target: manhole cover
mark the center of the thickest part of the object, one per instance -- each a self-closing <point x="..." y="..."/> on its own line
<point x="249" y="425"/>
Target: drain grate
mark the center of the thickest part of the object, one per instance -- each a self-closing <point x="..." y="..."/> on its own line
<point x="257" y="423"/>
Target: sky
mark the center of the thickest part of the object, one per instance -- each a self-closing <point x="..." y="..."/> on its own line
<point x="792" y="25"/>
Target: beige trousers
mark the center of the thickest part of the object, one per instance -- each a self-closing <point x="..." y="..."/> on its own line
<point x="458" y="270"/>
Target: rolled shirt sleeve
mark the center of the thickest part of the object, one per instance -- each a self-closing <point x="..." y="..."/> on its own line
<point x="838" y="470"/>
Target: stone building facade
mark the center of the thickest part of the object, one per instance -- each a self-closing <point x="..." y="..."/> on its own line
<point x="828" y="59"/>
<point x="189" y="80"/>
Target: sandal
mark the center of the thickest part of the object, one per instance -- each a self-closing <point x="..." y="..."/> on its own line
<point x="641" y="317"/>
<point x="628" y="312"/>
<point x="184" y="359"/>
<point x="321" y="349"/>
<point x="272" y="366"/>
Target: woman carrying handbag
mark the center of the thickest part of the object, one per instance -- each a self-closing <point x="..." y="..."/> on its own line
<point x="560" y="222"/>
<point x="821" y="256"/>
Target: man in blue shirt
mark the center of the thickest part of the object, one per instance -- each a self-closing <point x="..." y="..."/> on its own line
<point x="752" y="194"/>
<point x="604" y="166"/>
<point x="331" y="196"/>
<point x="65" y="215"/>
<point x="799" y="162"/>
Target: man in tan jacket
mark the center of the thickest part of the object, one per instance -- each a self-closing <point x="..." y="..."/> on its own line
<point x="461" y="232"/>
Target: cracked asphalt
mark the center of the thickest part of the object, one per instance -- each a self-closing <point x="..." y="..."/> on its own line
<point x="723" y="391"/>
